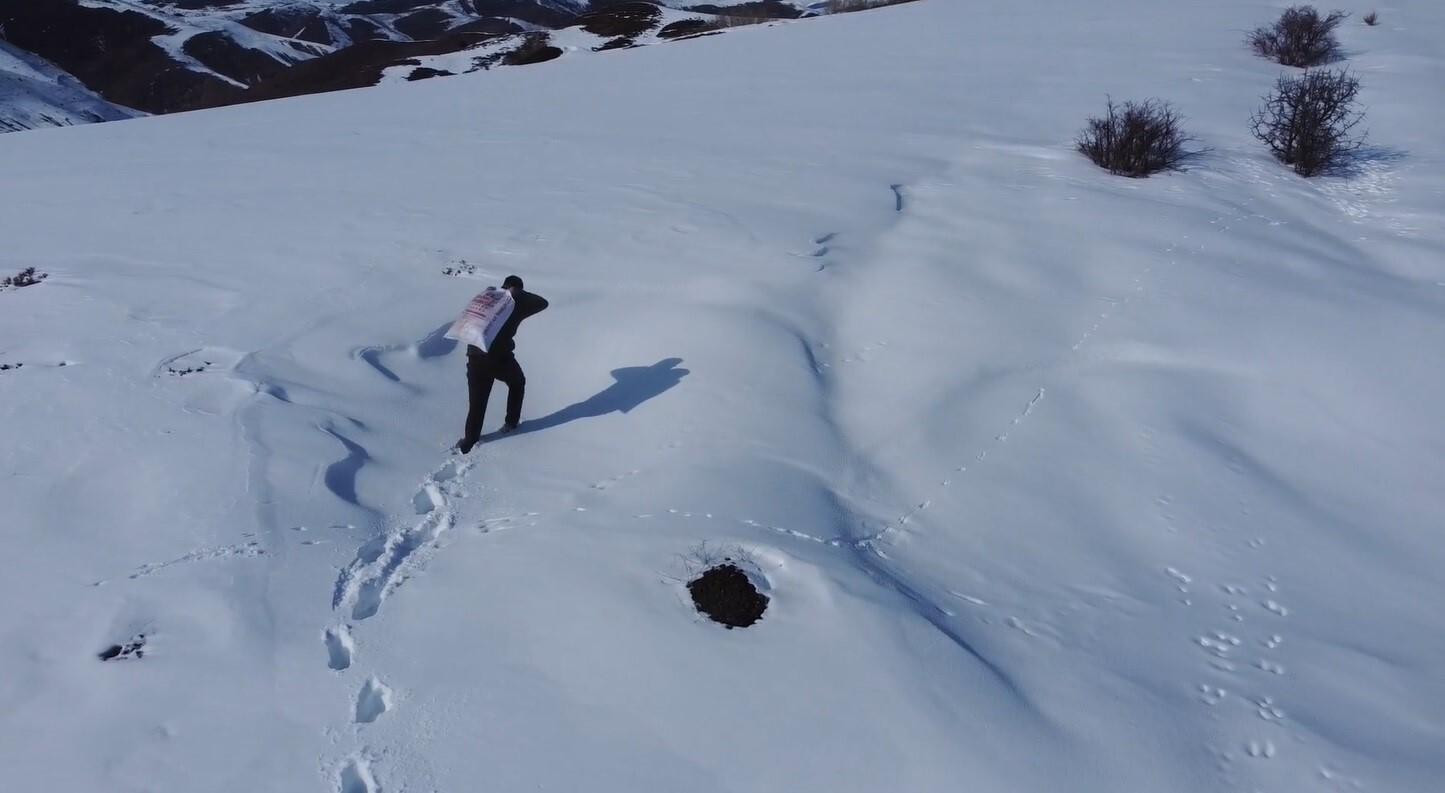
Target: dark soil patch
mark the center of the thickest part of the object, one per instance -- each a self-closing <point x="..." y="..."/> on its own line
<point x="5" y="367"/>
<point x="726" y="595"/>
<point x="357" y="66"/>
<point x="620" y="43"/>
<point x="763" y="9"/>
<point x="535" y="49"/>
<point x="624" y="19"/>
<point x="683" y="27"/>
<point x="135" y="648"/>
<point x="426" y="73"/>
<point x="24" y="278"/>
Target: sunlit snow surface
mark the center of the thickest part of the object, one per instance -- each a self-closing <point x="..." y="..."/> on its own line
<point x="1057" y="481"/>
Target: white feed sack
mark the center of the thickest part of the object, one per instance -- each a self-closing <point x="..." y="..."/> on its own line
<point x="483" y="318"/>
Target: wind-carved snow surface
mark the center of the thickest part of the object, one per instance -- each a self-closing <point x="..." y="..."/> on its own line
<point x="1055" y="480"/>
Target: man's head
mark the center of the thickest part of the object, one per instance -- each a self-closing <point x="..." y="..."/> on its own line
<point x="512" y="282"/>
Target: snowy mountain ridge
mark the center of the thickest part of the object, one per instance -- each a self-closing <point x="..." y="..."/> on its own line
<point x="163" y="56"/>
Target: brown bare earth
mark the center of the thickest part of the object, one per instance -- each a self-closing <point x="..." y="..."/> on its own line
<point x="726" y="596"/>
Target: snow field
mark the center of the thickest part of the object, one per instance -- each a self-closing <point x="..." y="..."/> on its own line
<point x="1056" y="480"/>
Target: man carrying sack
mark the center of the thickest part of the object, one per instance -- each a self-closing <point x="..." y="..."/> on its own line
<point x="488" y="326"/>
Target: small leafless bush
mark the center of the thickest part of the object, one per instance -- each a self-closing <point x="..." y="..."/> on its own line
<point x="1308" y="122"/>
<point x="1135" y="139"/>
<point x="26" y="277"/>
<point x="1300" y="37"/>
<point x="1372" y="19"/>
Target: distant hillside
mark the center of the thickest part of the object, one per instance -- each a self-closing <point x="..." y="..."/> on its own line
<point x="163" y="56"/>
<point x="35" y="94"/>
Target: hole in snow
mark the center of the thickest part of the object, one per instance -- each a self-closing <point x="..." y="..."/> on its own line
<point x="727" y="596"/>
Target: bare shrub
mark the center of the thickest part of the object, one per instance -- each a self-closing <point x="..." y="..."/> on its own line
<point x="1135" y="139"/>
<point x="1308" y="121"/>
<point x="1300" y="37"/>
<point x="24" y="278"/>
<point x="1372" y="19"/>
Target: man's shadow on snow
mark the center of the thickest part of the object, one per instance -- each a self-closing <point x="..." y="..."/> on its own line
<point x="635" y="385"/>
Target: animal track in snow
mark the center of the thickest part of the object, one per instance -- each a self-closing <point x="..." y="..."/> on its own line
<point x="1260" y="749"/>
<point x="1269" y="666"/>
<point x="1029" y="408"/>
<point x="339" y="647"/>
<point x="749" y="522"/>
<point x="248" y="549"/>
<point x="607" y="483"/>
<point x="1218" y="643"/>
<point x="1274" y="608"/>
<point x="873" y="542"/>
<point x="820" y="251"/>
<point x="1211" y="695"/>
<point x="859" y="355"/>
<point x="372" y="701"/>
<point x="1267" y="709"/>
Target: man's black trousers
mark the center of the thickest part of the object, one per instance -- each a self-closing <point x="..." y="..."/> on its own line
<point x="481" y="371"/>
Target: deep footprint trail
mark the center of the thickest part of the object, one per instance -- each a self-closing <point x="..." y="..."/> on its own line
<point x="361" y="589"/>
<point x="369" y="580"/>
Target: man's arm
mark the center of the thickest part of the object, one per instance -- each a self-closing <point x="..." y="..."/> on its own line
<point x="530" y="304"/>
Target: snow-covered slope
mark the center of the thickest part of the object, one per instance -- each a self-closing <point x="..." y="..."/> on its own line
<point x="1058" y="480"/>
<point x="35" y="94"/>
